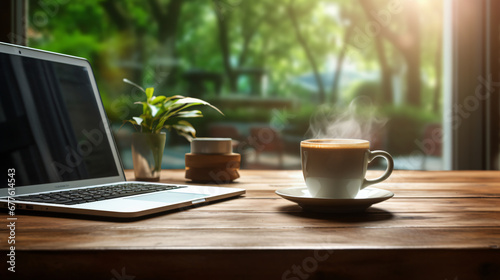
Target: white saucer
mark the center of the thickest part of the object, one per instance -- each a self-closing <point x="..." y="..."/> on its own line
<point x="365" y="198"/>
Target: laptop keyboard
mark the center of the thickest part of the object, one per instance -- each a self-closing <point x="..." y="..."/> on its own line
<point x="78" y="196"/>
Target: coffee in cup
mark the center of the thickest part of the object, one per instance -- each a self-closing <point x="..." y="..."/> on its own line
<point x="336" y="168"/>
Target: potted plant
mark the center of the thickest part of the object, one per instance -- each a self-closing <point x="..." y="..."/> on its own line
<point x="159" y="113"/>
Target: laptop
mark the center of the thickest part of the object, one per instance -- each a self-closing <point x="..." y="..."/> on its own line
<point x="57" y="149"/>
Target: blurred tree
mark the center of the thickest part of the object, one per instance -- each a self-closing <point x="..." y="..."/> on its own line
<point x="407" y="43"/>
<point x="289" y="39"/>
<point x="246" y="18"/>
<point x="305" y="45"/>
<point x="347" y="20"/>
<point x="165" y="17"/>
<point x="224" y="41"/>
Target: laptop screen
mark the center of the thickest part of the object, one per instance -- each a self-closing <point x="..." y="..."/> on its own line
<point x="51" y="129"/>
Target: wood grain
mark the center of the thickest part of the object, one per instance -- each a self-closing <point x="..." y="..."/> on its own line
<point x="439" y="225"/>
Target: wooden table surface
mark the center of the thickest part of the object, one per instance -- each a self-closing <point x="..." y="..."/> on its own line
<point x="439" y="225"/>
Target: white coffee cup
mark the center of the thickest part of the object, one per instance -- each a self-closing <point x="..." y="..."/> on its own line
<point x="336" y="168"/>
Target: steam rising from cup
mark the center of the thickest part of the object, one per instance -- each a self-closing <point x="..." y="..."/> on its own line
<point x="357" y="121"/>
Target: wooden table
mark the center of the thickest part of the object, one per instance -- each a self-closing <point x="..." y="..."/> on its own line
<point x="439" y="225"/>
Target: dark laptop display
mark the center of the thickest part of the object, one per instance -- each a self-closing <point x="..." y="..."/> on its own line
<point x="53" y="131"/>
<point x="56" y="148"/>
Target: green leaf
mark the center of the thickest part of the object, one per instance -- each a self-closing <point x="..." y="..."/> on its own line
<point x="138" y="120"/>
<point x="192" y="100"/>
<point x="189" y="114"/>
<point x="174" y="109"/>
<point x="162" y="121"/>
<point x="185" y="135"/>
<point x="154" y="110"/>
<point x="157" y="99"/>
<point x="171" y="108"/>
<point x="185" y="129"/>
<point x="158" y="110"/>
<point x="173" y="105"/>
<point x="129" y="121"/>
<point x="175" y="97"/>
<point x="134" y="84"/>
<point x="145" y="107"/>
<point x="185" y="126"/>
<point x="195" y="101"/>
<point x="149" y="92"/>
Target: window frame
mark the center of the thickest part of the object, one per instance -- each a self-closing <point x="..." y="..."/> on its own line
<point x="471" y="114"/>
<point x="14" y="24"/>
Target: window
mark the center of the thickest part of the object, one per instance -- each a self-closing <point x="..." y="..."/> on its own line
<point x="289" y="70"/>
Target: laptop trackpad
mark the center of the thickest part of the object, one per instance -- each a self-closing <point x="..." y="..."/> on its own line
<point x="169" y="197"/>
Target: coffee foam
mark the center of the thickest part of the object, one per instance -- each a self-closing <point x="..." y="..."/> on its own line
<point x="336" y="143"/>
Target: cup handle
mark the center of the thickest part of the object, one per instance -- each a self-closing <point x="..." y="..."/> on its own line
<point x="388" y="171"/>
